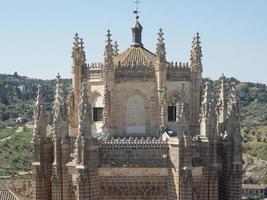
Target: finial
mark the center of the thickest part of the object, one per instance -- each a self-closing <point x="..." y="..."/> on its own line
<point x="58" y="76"/>
<point x="136" y="11"/>
<point x="81" y="43"/>
<point x="76" y="40"/>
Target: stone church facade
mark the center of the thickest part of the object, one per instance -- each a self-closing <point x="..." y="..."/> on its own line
<point x="138" y="127"/>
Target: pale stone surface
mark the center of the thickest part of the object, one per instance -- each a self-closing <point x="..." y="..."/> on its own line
<point x="135" y="152"/>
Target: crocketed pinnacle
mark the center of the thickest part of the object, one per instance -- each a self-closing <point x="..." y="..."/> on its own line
<point x="76" y="41"/>
<point x="85" y="113"/>
<point x="196" y="54"/>
<point x="39" y="116"/>
<point x="58" y="104"/>
<point x="161" y="51"/>
<point x="78" y="53"/>
<point x="208" y="104"/>
<point x="116" y="49"/>
<point x="108" y="53"/>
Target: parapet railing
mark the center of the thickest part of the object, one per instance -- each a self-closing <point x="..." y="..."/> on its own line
<point x="134" y="152"/>
<point x="134" y="142"/>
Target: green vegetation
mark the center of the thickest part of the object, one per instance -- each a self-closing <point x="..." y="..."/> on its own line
<point x="15" y="151"/>
<point x="17" y="95"/>
<point x="253" y="109"/>
<point x="256" y="149"/>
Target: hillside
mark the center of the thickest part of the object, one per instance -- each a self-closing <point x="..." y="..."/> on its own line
<point x="15" y="151"/>
<point x="253" y="108"/>
<point x="17" y="95"/>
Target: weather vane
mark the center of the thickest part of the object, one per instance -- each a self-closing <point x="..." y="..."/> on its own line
<point x="136" y="11"/>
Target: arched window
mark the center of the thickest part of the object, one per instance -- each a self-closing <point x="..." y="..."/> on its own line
<point x="98" y="109"/>
<point x="172" y="107"/>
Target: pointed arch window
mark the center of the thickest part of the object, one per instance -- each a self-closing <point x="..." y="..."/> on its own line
<point x="172" y="108"/>
<point x="98" y="109"/>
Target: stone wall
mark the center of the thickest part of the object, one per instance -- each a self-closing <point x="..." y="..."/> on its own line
<point x="134" y="152"/>
<point x="133" y="183"/>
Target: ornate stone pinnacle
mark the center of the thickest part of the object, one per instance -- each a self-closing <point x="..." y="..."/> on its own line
<point x="161" y="51"/>
<point x="58" y="104"/>
<point x="196" y="54"/>
<point x="163" y="95"/>
<point x="116" y="49"/>
<point x="39" y="116"/>
<point x="78" y="53"/>
<point x="108" y="54"/>
<point x="85" y="113"/>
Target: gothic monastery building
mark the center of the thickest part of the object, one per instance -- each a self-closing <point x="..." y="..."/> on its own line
<point x="138" y="126"/>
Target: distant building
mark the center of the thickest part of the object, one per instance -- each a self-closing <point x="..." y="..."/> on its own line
<point x="254" y="191"/>
<point x="138" y="127"/>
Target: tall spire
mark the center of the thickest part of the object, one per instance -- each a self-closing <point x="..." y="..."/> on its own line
<point x="196" y="54"/>
<point x="161" y="51"/>
<point x="108" y="53"/>
<point x="85" y="114"/>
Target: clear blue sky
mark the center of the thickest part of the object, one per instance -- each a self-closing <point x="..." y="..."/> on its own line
<point x="36" y="35"/>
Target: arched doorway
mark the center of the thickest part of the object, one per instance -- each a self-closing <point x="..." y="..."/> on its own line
<point x="135" y="115"/>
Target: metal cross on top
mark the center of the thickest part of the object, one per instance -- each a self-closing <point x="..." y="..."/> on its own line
<point x="136" y="11"/>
